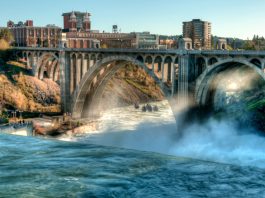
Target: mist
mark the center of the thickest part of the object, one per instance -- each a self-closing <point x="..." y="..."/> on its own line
<point x="184" y="130"/>
<point x="209" y="140"/>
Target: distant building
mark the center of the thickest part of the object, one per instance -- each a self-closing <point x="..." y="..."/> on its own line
<point x="171" y="42"/>
<point x="76" y="21"/>
<point x="145" y="40"/>
<point x="27" y="35"/>
<point x="199" y="32"/>
<point x="102" y="40"/>
<point x="77" y="26"/>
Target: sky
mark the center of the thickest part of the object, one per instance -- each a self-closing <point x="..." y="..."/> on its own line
<point x="229" y="18"/>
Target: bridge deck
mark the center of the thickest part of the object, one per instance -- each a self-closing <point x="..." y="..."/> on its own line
<point x="149" y="51"/>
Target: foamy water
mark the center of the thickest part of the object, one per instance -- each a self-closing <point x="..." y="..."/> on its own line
<point x="217" y="141"/>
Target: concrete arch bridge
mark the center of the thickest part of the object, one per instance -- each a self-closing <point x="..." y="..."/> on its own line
<point x="83" y="73"/>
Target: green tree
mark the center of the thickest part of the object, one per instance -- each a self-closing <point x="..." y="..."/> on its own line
<point x="249" y="45"/>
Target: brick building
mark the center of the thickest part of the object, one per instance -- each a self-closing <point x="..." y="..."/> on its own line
<point x="77" y="26"/>
<point x="27" y="35"/>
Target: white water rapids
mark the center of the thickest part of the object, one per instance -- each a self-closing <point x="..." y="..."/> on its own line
<point x="217" y="141"/>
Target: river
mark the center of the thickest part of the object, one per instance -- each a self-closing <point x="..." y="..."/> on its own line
<point x="135" y="154"/>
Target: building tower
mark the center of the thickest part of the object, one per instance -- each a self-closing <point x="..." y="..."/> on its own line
<point x="115" y="29"/>
<point x="86" y="22"/>
<point x="200" y="33"/>
<point x="73" y="22"/>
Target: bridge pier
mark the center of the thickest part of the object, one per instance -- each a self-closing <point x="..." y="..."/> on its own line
<point x="34" y="65"/>
<point x="28" y="60"/>
<point x="153" y="65"/>
<point x="173" y="79"/>
<point x="186" y="76"/>
<point x="65" y="64"/>
<point x="163" y="72"/>
<point x="78" y="69"/>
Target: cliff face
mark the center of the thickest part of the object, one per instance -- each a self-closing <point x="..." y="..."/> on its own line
<point x="130" y="85"/>
<point x="19" y="90"/>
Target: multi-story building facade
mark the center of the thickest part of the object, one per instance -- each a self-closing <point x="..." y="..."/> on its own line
<point x="27" y="35"/>
<point x="146" y="40"/>
<point x="77" y="26"/>
<point x="200" y="32"/>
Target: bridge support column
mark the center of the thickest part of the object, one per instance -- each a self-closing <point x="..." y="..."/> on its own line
<point x="153" y="65"/>
<point x="88" y="62"/>
<point x="28" y="61"/>
<point x="35" y="66"/>
<point x="84" y="66"/>
<point x="64" y="82"/>
<point x="91" y="62"/>
<point x="173" y="79"/>
<point x="183" y="85"/>
<point x="72" y="73"/>
<point x="78" y="69"/>
<point x="163" y="71"/>
<point x="169" y="72"/>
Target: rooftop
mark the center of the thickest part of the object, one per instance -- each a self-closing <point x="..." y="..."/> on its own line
<point x="76" y="13"/>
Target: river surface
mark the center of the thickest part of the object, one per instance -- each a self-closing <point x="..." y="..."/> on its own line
<point x="135" y="154"/>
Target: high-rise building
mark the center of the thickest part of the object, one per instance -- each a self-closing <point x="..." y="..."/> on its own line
<point x="200" y="32"/>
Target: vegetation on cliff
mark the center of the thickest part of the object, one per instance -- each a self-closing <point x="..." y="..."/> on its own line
<point x="21" y="91"/>
<point x="130" y="85"/>
<point x="6" y="38"/>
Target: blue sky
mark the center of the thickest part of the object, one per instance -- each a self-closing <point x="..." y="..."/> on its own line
<point x="230" y="18"/>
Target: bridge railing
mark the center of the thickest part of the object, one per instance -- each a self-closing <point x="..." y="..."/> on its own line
<point x="148" y="51"/>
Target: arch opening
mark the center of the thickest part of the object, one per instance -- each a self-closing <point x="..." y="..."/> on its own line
<point x="117" y="74"/>
<point x="256" y="62"/>
<point x="229" y="86"/>
<point x="212" y="61"/>
<point x="158" y="66"/>
<point x="167" y="70"/>
<point x="148" y="62"/>
<point x="201" y="65"/>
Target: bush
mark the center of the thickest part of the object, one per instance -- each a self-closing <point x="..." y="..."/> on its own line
<point x="4" y="44"/>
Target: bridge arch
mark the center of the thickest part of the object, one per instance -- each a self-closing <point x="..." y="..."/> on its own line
<point x="200" y="65"/>
<point x="212" y="61"/>
<point x="149" y="61"/>
<point x="140" y="58"/>
<point x="87" y="96"/>
<point x="204" y="82"/>
<point x="257" y="62"/>
<point x="158" y="61"/>
<point x="46" y="65"/>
